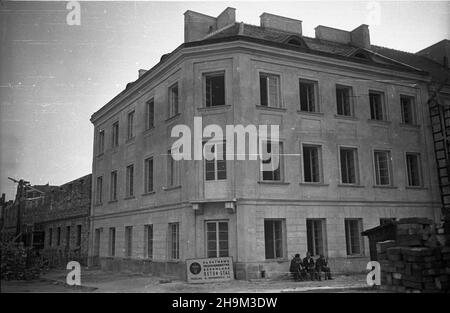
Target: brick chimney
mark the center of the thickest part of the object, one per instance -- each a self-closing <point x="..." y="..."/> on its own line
<point x="287" y="24"/>
<point x="359" y="37"/>
<point x="198" y="25"/>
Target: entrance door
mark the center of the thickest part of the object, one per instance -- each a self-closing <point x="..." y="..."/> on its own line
<point x="217" y="239"/>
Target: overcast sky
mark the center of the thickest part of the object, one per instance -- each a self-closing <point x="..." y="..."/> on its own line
<point x="54" y="76"/>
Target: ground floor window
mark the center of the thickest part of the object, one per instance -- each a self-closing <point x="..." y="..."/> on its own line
<point x="174" y="241"/>
<point x="273" y="238"/>
<point x="97" y="242"/>
<point x="315" y="233"/>
<point x="217" y="239"/>
<point x="148" y="237"/>
<point x="112" y="241"/>
<point x="353" y="228"/>
<point x="128" y="241"/>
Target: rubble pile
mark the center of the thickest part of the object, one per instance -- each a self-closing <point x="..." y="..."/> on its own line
<point x="415" y="261"/>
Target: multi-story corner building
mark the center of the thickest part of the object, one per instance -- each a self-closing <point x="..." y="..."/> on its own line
<point x="355" y="150"/>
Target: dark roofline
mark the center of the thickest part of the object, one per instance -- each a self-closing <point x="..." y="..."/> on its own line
<point x="435" y="44"/>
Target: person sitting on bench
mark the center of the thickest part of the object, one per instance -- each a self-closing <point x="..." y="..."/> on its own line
<point x="308" y="264"/>
<point x="296" y="267"/>
<point x="322" y="266"/>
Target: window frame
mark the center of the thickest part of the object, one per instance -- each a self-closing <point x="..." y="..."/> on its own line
<point x="101" y="142"/>
<point x="279" y="94"/>
<point x="420" y="169"/>
<point x="150" y="118"/>
<point x="131" y="125"/>
<point x="413" y="108"/>
<point x="128" y="242"/>
<point x="99" y="190"/>
<point x="315" y="86"/>
<point x="174" y="108"/>
<point x="377" y="176"/>
<point x="348" y="245"/>
<point x="149" y="182"/>
<point x="129" y="181"/>
<point x="112" y="242"/>
<point x="351" y="103"/>
<point x="282" y="222"/>
<point x="383" y="104"/>
<point x="174" y="255"/>
<point x="323" y="235"/>
<point x="355" y="162"/>
<point x="319" y="147"/>
<point x="115" y="134"/>
<point x="113" y="195"/>
<point x="148" y="244"/>
<point x="215" y="162"/>
<point x="281" y="165"/>
<point x="217" y="238"/>
<point x="207" y="75"/>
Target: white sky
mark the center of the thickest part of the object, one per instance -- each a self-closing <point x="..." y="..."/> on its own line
<point x="54" y="76"/>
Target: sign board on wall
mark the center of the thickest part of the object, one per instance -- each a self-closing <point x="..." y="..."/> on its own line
<point x="209" y="270"/>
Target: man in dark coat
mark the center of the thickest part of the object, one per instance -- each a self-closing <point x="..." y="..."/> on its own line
<point x="322" y="266"/>
<point x="296" y="267"/>
<point x="308" y="264"/>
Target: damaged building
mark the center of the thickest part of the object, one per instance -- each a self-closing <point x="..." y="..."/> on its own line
<point x="356" y="150"/>
<point x="52" y="219"/>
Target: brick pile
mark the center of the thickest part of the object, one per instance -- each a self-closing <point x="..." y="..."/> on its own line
<point x="415" y="261"/>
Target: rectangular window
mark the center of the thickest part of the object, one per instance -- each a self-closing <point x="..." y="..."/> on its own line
<point x="99" y="190"/>
<point x="112" y="241"/>
<point x="173" y="100"/>
<point x="344" y="101"/>
<point x="148" y="239"/>
<point x="269" y="86"/>
<point x="217" y="239"/>
<point x="315" y="232"/>
<point x="273" y="239"/>
<point x="78" y="235"/>
<point x="150" y="113"/>
<point x="130" y="181"/>
<point x="130" y="129"/>
<point x="312" y="156"/>
<point x="128" y="241"/>
<point x="172" y="170"/>
<point x="408" y="110"/>
<point x="101" y="142"/>
<point x="97" y="242"/>
<point x="174" y="241"/>
<point x="353" y="239"/>
<point x="50" y="237"/>
<point x="276" y="174"/>
<point x="214" y="89"/>
<point x="148" y="175"/>
<point x="216" y="169"/>
<point x="113" y="191"/>
<point x="377" y="110"/>
<point x="115" y="134"/>
<point x="68" y="236"/>
<point x="349" y="174"/>
<point x="307" y="96"/>
<point x="414" y="169"/>
<point x="58" y="236"/>
<point x="382" y="161"/>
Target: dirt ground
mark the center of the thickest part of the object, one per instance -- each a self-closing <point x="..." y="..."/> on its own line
<point x="93" y="280"/>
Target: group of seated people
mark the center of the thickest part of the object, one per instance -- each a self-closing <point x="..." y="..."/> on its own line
<point x="308" y="268"/>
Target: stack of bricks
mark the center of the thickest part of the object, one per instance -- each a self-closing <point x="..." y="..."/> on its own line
<point x="415" y="262"/>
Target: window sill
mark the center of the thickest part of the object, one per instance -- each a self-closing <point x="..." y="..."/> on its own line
<point x="225" y="107"/>
<point x="172" y="118"/>
<point x="169" y="188"/>
<point x="263" y="107"/>
<point x="272" y="182"/>
<point x="318" y="114"/>
<point x="130" y="140"/>
<point x="129" y="198"/>
<point x="113" y="201"/>
<point x="148" y="193"/>
<point x="385" y="187"/>
<point x="410" y="126"/>
<point x="313" y="184"/>
<point x="416" y="187"/>
<point x="380" y="122"/>
<point x="149" y="130"/>
<point x="346" y="117"/>
<point x="351" y="185"/>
